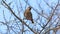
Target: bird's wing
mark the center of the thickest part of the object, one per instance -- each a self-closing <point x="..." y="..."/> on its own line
<point x="29" y="15"/>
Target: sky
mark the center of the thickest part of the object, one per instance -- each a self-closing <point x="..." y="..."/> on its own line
<point x="33" y="3"/>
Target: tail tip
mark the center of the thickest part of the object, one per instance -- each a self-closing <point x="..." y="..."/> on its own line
<point x="32" y="20"/>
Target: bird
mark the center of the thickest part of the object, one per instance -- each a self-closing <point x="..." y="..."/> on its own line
<point x="28" y="14"/>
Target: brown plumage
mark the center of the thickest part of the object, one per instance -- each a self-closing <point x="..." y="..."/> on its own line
<point x="28" y="14"/>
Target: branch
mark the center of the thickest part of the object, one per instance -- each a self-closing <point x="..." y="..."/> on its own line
<point x="8" y="7"/>
<point x="53" y="11"/>
<point x="58" y="27"/>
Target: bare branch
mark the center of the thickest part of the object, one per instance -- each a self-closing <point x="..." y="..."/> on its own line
<point x="17" y="16"/>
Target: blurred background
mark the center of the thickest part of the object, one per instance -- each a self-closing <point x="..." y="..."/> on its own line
<point x="45" y="13"/>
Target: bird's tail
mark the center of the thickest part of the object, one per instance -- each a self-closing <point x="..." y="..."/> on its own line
<point x="32" y="21"/>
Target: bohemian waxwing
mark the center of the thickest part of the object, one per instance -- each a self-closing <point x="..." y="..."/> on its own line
<point x="28" y="14"/>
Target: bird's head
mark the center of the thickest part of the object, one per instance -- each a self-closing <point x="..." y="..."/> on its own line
<point x="29" y="7"/>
